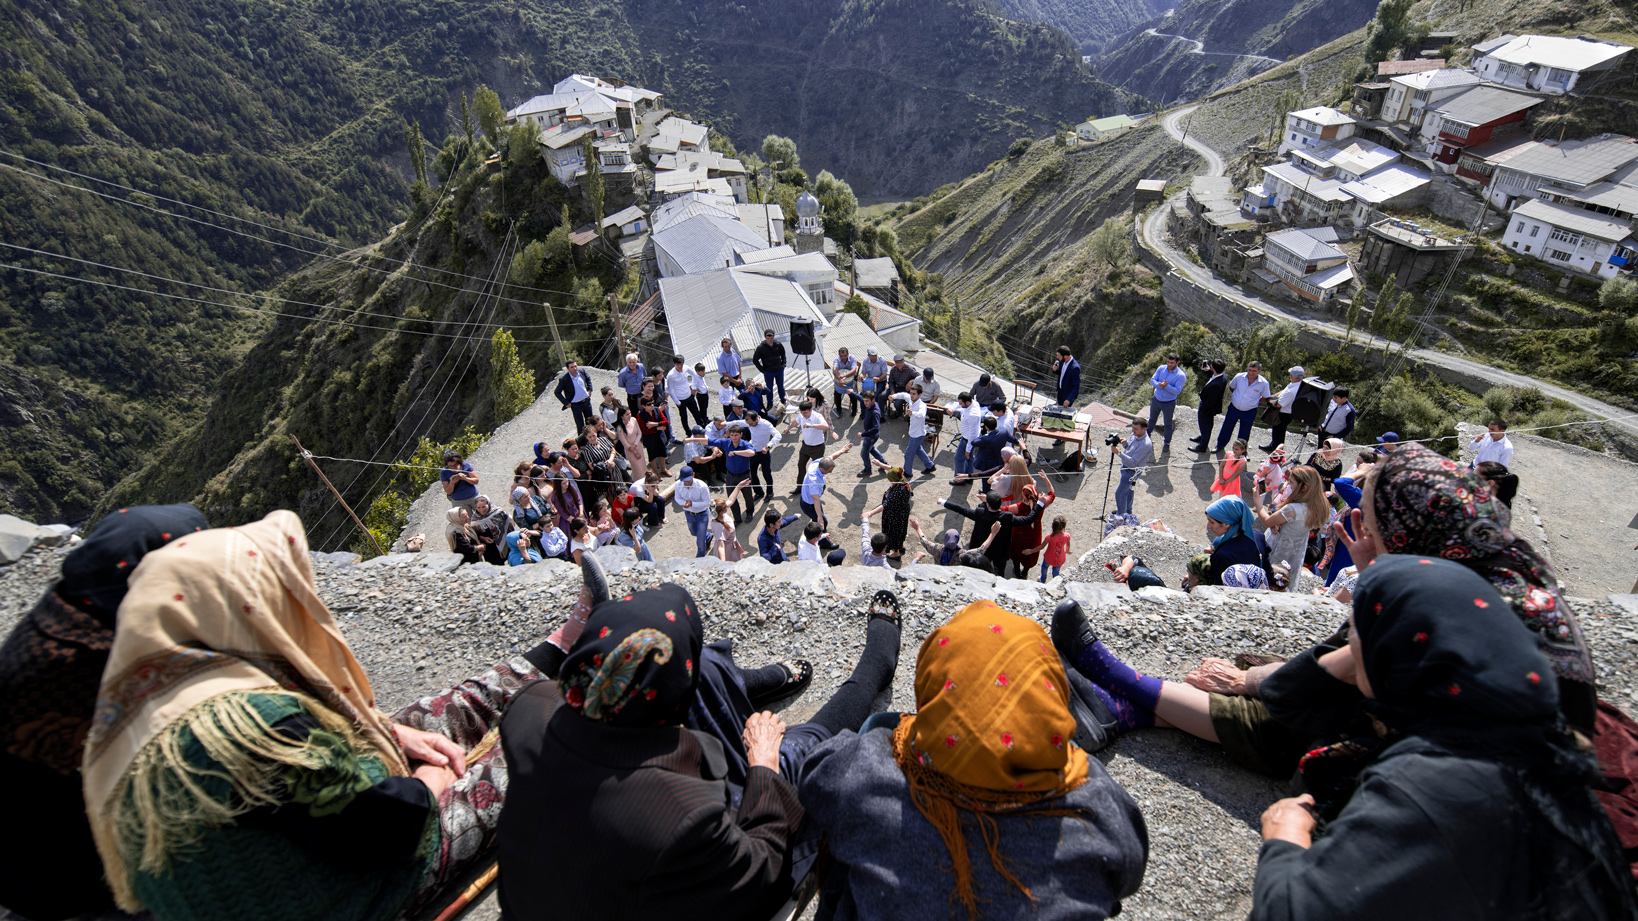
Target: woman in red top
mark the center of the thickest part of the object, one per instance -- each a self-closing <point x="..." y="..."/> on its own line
<point x="1026" y="541"/>
<point x="1228" y="475"/>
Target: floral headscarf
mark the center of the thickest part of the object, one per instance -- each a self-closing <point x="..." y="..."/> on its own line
<point x="992" y="731"/>
<point x="1430" y="505"/>
<point x="637" y="659"/>
<point x="1245" y="575"/>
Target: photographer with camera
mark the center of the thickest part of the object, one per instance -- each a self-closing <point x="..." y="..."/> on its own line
<point x="1211" y="402"/>
<point x="1133" y="458"/>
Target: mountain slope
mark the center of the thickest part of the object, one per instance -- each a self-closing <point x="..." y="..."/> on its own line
<point x="1093" y="24"/>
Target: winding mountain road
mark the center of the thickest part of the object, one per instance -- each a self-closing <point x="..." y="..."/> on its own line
<point x="1200" y="48"/>
<point x="1155" y="237"/>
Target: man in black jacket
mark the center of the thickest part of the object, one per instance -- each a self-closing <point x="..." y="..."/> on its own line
<point x="1211" y="403"/>
<point x="1000" y="549"/>
<point x="574" y="391"/>
<point x="769" y="358"/>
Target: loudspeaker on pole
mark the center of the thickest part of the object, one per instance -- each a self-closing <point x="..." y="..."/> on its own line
<point x="802" y="341"/>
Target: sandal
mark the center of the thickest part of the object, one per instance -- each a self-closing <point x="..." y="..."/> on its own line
<point x="884" y="605"/>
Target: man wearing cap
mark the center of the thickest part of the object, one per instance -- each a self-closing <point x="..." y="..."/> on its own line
<point x="1386" y="442"/>
<point x="873" y="373"/>
<point x="1338" y="421"/>
<point x="987" y="392"/>
<point x="898" y="381"/>
<point x="1246" y="391"/>
<point x="728" y="362"/>
<point x="844" y="371"/>
<point x="574" y="392"/>
<point x="1168" y="382"/>
<point x="1286" y="397"/>
<point x="694" y="498"/>
<point x="1066" y="373"/>
<point x="931" y="392"/>
<point x="680" y="388"/>
<point x="769" y="358"/>
<point x="631" y="379"/>
<point x="870" y="429"/>
<point x="813" y="428"/>
<point x="764" y="438"/>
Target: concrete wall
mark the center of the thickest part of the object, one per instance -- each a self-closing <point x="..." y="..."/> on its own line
<point x="1454" y="202"/>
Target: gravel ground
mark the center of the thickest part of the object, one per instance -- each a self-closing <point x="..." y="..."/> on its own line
<point x="418" y="629"/>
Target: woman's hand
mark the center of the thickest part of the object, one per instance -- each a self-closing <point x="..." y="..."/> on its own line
<point x="1361" y="549"/>
<point x="1217" y="676"/>
<point x="436" y="778"/>
<point x="763" y="733"/>
<point x="1291" y="820"/>
<point x="431" y="749"/>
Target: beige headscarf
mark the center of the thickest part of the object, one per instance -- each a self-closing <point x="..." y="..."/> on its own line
<point x="208" y="617"/>
<point x="456" y="526"/>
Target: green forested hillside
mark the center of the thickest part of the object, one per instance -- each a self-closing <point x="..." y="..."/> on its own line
<point x="234" y="142"/>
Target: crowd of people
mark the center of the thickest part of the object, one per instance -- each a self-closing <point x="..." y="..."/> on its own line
<point x="211" y="748"/>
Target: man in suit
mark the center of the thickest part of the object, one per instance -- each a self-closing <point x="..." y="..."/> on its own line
<point x="574" y="392"/>
<point x="1068" y="373"/>
<point x="1211" y="403"/>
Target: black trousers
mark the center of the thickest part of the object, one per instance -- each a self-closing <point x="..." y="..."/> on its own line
<point x="836" y="401"/>
<point x="583" y="414"/>
<point x="1276" y="435"/>
<point x="761" y="475"/>
<point x="1207" y="421"/>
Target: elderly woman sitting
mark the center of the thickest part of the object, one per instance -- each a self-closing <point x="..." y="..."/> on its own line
<point x="646" y="785"/>
<point x="237" y="766"/>
<point x="1469" y="799"/>
<point x="981" y="797"/>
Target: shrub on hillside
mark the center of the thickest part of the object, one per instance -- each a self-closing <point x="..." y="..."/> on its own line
<point x="512" y="384"/>
<point x="388" y="514"/>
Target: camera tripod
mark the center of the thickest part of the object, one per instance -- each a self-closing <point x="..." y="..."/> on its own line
<point x="1108" y="479"/>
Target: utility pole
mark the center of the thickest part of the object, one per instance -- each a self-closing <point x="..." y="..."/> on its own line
<point x="551" y="320"/>
<point x="619" y="327"/>
<point x="350" y="513"/>
<point x="853" y="269"/>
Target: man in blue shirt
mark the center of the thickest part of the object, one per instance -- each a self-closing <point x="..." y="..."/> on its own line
<point x="813" y="485"/>
<point x="631" y="380"/>
<point x="728" y="363"/>
<point x="768" y="543"/>
<point x="736" y="459"/>
<point x="870" y="429"/>
<point x="1134" y="456"/>
<point x="1168" y="381"/>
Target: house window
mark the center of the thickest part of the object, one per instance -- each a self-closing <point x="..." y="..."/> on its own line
<point x="1559" y="255"/>
<point x="1519" y="228"/>
<point x="1564" y="236"/>
<point x="1535" y="229"/>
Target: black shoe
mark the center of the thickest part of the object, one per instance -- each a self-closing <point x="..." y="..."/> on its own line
<point x="884" y="605"/>
<point x="863" y="474"/>
<point x="1072" y="630"/>
<point x="1267" y="447"/>
<point x="795" y="492"/>
<point x="798" y="675"/>
<point x="1200" y="449"/>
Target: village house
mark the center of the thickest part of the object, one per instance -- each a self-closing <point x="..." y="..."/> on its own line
<point x="1472" y="117"/>
<point x="1307" y="264"/>
<point x="689" y="165"/>
<point x="581" y="101"/>
<point x="878" y="278"/>
<point x="564" y="151"/>
<point x="1478" y="164"/>
<point x="816" y="274"/>
<point x="676" y="134"/>
<point x="1100" y="128"/>
<point x="1572" y="166"/>
<point x="1409" y="95"/>
<point x="1572" y="238"/>
<point x="701" y="244"/>
<point x="1315" y="127"/>
<point x="1413" y="66"/>
<point x="1346" y="181"/>
<point x="626" y="223"/>
<point x="1546" y="63"/>
<point x="1406" y="252"/>
<point x="1616" y="197"/>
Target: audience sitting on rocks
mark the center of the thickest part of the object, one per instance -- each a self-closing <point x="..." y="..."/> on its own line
<point x="460" y="482"/>
<point x="1135" y="574"/>
<point x="653" y="747"/>
<point x="1469" y="799"/>
<point x="50" y="668"/>
<point x="527" y="508"/>
<point x="646" y="495"/>
<point x="241" y="768"/>
<point x="491" y="524"/>
<point x="980" y="799"/>
<point x="522" y="547"/>
<point x="631" y="534"/>
<point x="463" y="539"/>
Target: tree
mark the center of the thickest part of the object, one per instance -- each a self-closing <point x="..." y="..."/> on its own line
<point x="841" y="208"/>
<point x="1108" y="243"/>
<point x="594" y="180"/>
<point x="1620" y="295"/>
<point x="1354" y="308"/>
<point x="780" y="152"/>
<point x="417" y="150"/>
<point x="1387" y="30"/>
<point x="859" y="307"/>
<point x="512" y="384"/>
<point x="491" y="115"/>
<point x="466" y="117"/>
<point x="1020" y="147"/>
<point x="1382" y="308"/>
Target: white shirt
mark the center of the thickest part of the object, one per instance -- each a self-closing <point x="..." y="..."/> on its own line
<point x="918" y="415"/>
<point x="579" y="387"/>
<point x="972" y="418"/>
<point x="1491" y="450"/>
<point x="1005" y="423"/>
<point x="1244" y="394"/>
<point x="764" y="435"/>
<point x="812" y="434"/>
<point x="678" y="385"/>
<point x="727" y="394"/>
<point x="807" y="550"/>
<point x="1289" y="395"/>
<point x="699" y="495"/>
<point x="696" y="382"/>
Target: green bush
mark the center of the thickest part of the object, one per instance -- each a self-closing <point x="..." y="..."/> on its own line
<point x="1020" y="147"/>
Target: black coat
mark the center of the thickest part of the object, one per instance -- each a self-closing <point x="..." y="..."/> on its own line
<point x="983" y="517"/>
<point x="1211" y="394"/>
<point x="565" y="387"/>
<point x="769" y="359"/>
<point x="616" y="822"/>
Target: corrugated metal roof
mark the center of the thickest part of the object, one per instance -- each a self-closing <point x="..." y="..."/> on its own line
<point x="1587" y="223"/>
<point x="765" y="255"/>
<point x="1482" y="105"/>
<point x="693" y="204"/>
<point x="1572" y="54"/>
<point x="1576" y="162"/>
<point x="701" y="244"/>
<point x="1489" y="45"/>
<point x="1322" y="189"/>
<point x="701" y="309"/>
<point x="1496" y="153"/>
<point x="806" y="262"/>
<point x="1303" y="245"/>
<point x="1323" y="115"/>
<point x="1331" y="277"/>
<point x="1438" y="79"/>
<point x="1399" y="68"/>
<point x="876" y="273"/>
<point x="1387" y="183"/>
<point x="622" y="217"/>
<point x="1620" y="193"/>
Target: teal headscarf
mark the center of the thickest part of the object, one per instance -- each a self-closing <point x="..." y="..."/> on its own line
<point x="1233" y="511"/>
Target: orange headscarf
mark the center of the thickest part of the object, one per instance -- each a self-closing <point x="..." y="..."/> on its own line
<point x="992" y="732"/>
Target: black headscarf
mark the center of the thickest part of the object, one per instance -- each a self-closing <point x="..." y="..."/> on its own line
<point x="94" y="573"/>
<point x="1455" y="671"/>
<point x="638" y="659"/>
